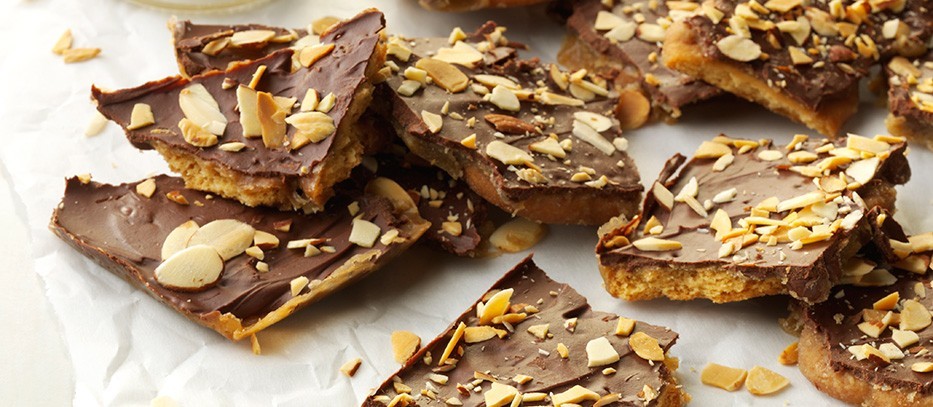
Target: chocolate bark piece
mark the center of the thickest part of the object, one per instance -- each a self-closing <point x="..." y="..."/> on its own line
<point x="910" y="98"/>
<point x="744" y="219"/>
<point x="627" y="48"/>
<point x="864" y="350"/>
<point x="547" y="318"/>
<point x="511" y="127"/>
<point x="302" y="152"/>
<point x="246" y="299"/>
<point x="801" y="60"/>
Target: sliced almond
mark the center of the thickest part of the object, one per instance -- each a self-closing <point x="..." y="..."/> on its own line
<point x="312" y="127"/>
<point x="770" y="155"/>
<point x="476" y="334"/>
<point x="460" y="54"/>
<point x="574" y="395"/>
<point x="548" y="146"/>
<point x="539" y="331"/>
<point x="492" y="81"/>
<point x="509" y="124"/>
<point x="505" y="99"/>
<point x="458" y="333"/>
<point x="201" y="108"/>
<point x="141" y="117"/>
<point x="507" y="153"/>
<point x="863" y="171"/>
<point x="788" y="356"/>
<point x="194" y="268"/>
<point x="216" y="46"/>
<point x="712" y="149"/>
<point x="311" y="54"/>
<point x="724" y="377"/>
<point x="625" y="326"/>
<point x="251" y="37"/>
<point x="762" y="381"/>
<point x="249" y="115"/>
<point x="364" y="233"/>
<point x="517" y="235"/>
<point x="922" y="367"/>
<point x="904" y="339"/>
<point x="585" y="132"/>
<point x="73" y="55"/>
<point x="622" y="32"/>
<point x="96" y="125"/>
<point x="146" y="188"/>
<point x="444" y="74"/>
<point x="653" y="244"/>
<point x="265" y="240"/>
<point x="600" y="352"/>
<point x="646" y="347"/>
<point x="597" y="121"/>
<point x="349" y="369"/>
<point x="178" y="238"/>
<point x="229" y="237"/>
<point x="739" y="48"/>
<point x="500" y="395"/>
<point x="196" y="135"/>
<point x="63" y="43"/>
<point x="298" y="284"/>
<point x="662" y="195"/>
<point x="434" y="121"/>
<point x="404" y="345"/>
<point x="271" y="120"/>
<point x="496" y="306"/>
<point x="887" y="302"/>
<point x="914" y="316"/>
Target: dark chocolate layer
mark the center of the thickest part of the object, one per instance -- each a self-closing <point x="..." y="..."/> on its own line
<point x="190" y="40"/>
<point x="669" y="89"/>
<point x="520" y="353"/>
<point x="124" y="232"/>
<point x="808" y="270"/>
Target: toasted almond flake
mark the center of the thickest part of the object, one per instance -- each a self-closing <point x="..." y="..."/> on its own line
<point x="600" y="352"/>
<point x="653" y="244"/>
<point x="548" y="146"/>
<point x="469" y="141"/>
<point x="788" y="356"/>
<point x="904" y="339"/>
<point x="739" y="48"/>
<point x="922" y="367"/>
<point x="624" y="326"/>
<point x="622" y="32"/>
<point x="597" y="121"/>
<point x="606" y="21"/>
<point x="202" y="109"/>
<point x="504" y="98"/>
<point x="251" y="37"/>
<point x="646" y="347"/>
<point x="434" y="121"/>
<point x="349" y="369"/>
<point x="249" y="115"/>
<point x="724" y="377"/>
<point x="712" y="149"/>
<point x="770" y="155"/>
<point x="196" y="135"/>
<point x="364" y="233"/>
<point x="327" y="103"/>
<point x="586" y="133"/>
<point x="146" y="188"/>
<point x="229" y="237"/>
<point x="517" y="235"/>
<point x="550" y="98"/>
<point x="476" y="334"/>
<point x="216" y="46"/>
<point x="311" y="54"/>
<point x="178" y="238"/>
<point x="271" y="121"/>
<point x="864" y="170"/>
<point x="762" y="381"/>
<point x="194" y="268"/>
<point x="141" y="117"/>
<point x="73" y="55"/>
<point x="574" y="395"/>
<point x="416" y="74"/>
<point x="174" y="196"/>
<point x="492" y="81"/>
<point x="539" y="331"/>
<point x="404" y="345"/>
<point x="914" y="316"/>
<point x="312" y="127"/>
<point x="297" y="284"/>
<point x="887" y="302"/>
<point x="650" y="32"/>
<point x="458" y="333"/>
<point x="500" y="395"/>
<point x="507" y="153"/>
<point x="460" y="54"/>
<point x="63" y="43"/>
<point x="798" y="56"/>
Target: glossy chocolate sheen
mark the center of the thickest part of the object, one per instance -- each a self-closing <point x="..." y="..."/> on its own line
<point x="190" y="39"/>
<point x="806" y="83"/>
<point x="674" y="89"/>
<point x="124" y="231"/>
<point x="518" y="353"/>
<point x="406" y="116"/>
<point x="900" y="91"/>
<point x="755" y="180"/>
<point x="845" y="305"/>
<point x="342" y="72"/>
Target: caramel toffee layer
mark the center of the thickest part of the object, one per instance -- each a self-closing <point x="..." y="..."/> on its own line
<point x="862" y="341"/>
<point x="910" y="92"/>
<point x="761" y="211"/>
<point x="124" y="232"/>
<point x="633" y="39"/>
<point x="814" y="52"/>
<point x="341" y="72"/>
<point x="455" y="211"/>
<point x="570" y="321"/>
<point x="519" y="103"/>
<point x="200" y="47"/>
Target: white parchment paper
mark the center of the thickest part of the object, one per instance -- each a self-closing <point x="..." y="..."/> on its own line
<point x="126" y="348"/>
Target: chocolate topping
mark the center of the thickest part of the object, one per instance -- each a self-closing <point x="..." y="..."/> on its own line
<point x="124" y="232"/>
<point x="341" y="72"/>
<point x="838" y="60"/>
<point x="472" y="112"/>
<point x="520" y="353"/>
<point x="809" y="269"/>
<point x="672" y="89"/>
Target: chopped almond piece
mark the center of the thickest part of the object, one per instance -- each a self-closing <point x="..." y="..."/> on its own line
<point x="351" y="367"/>
<point x="762" y="381"/>
<point x="646" y="347"/>
<point x="724" y="377"/>
<point x="789" y="355"/>
<point x="404" y="345"/>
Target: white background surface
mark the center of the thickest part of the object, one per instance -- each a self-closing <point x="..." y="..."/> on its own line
<point x="77" y="334"/>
